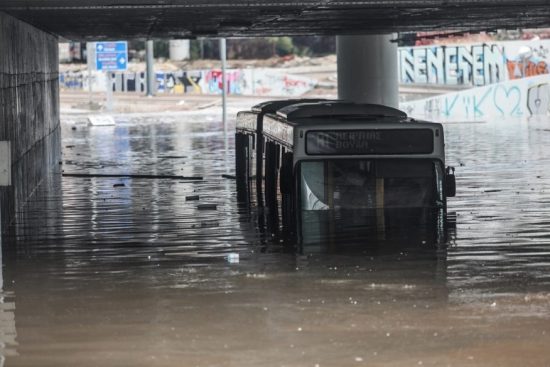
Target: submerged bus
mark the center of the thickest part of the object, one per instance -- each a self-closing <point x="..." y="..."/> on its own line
<point x="249" y="145"/>
<point x="337" y="171"/>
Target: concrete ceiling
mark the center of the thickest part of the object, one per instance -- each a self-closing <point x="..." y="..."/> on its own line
<point x="124" y="19"/>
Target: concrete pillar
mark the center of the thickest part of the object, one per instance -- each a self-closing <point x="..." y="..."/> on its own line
<point x="223" y="57"/>
<point x="367" y="69"/>
<point x="180" y="50"/>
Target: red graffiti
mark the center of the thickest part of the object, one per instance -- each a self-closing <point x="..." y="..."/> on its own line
<point x="234" y="81"/>
<point x="518" y="69"/>
<point x="214" y="77"/>
<point x="293" y="83"/>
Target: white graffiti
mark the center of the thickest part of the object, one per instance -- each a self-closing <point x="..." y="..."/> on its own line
<point x="473" y="64"/>
<point x="514" y="98"/>
<point x="476" y="65"/>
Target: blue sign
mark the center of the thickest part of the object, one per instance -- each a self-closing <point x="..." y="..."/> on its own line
<point x="111" y="56"/>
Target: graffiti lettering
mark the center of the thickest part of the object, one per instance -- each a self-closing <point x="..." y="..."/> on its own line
<point x="519" y="69"/>
<point x="476" y="65"/>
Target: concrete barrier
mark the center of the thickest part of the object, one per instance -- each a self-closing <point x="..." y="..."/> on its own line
<point x="252" y="82"/>
<point x="515" y="98"/>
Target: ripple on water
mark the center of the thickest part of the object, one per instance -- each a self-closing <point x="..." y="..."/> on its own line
<point x="94" y="261"/>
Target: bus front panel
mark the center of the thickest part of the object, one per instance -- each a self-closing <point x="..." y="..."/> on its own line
<point x="357" y="200"/>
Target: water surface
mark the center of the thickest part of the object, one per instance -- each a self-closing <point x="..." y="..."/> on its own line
<point x="136" y="275"/>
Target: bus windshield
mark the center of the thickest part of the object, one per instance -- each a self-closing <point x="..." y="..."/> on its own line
<point x="336" y="184"/>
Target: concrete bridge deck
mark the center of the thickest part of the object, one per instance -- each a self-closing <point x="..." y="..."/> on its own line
<point x="99" y="19"/>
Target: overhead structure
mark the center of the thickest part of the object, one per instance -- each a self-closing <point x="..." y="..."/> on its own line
<point x="102" y="19"/>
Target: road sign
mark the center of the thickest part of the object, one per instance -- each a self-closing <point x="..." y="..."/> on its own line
<point x="111" y="56"/>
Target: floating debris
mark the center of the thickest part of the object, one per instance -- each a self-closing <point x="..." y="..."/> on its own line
<point x="194" y="178"/>
<point x="210" y="224"/>
<point x="172" y="157"/>
<point x="233" y="258"/>
<point x="207" y="206"/>
<point x="101" y="120"/>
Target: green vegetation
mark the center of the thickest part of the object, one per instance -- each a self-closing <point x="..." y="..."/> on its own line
<point x="264" y="47"/>
<point x="246" y="48"/>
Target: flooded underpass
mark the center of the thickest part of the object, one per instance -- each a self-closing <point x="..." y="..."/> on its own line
<point x="121" y="271"/>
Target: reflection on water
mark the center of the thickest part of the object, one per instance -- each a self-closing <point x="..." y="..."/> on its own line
<point x="138" y="274"/>
<point x="8" y="332"/>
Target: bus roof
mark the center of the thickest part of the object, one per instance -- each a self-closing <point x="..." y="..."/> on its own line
<point x="337" y="109"/>
<point x="352" y="121"/>
<point x="248" y="120"/>
<point x="274" y="106"/>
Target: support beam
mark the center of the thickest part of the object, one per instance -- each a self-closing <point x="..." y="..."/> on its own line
<point x="223" y="57"/>
<point x="367" y="69"/>
<point x="150" y="51"/>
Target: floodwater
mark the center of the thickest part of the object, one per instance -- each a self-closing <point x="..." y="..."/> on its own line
<point x="136" y="275"/>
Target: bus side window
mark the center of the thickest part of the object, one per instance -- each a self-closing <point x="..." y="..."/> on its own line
<point x="251" y="155"/>
<point x="241" y="141"/>
<point x="241" y="165"/>
<point x="279" y="160"/>
<point x="286" y="174"/>
<point x="259" y="170"/>
<point x="271" y="173"/>
<point x="286" y="185"/>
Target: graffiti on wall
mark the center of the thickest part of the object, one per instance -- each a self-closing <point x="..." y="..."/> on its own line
<point x="236" y="81"/>
<point x="128" y="82"/>
<point x="531" y="61"/>
<point x="516" y="98"/>
<point x="476" y="65"/>
<point x="72" y="80"/>
<point x="265" y="82"/>
<point x="538" y="99"/>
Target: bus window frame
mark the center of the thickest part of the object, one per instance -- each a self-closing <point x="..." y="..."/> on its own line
<point x="432" y="130"/>
<point x="245" y="153"/>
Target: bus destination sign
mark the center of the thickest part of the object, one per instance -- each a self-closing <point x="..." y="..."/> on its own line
<point x="381" y="141"/>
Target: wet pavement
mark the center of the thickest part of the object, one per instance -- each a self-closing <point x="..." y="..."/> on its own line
<point x="128" y="272"/>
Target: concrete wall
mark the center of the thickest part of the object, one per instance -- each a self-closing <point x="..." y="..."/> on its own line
<point x="29" y="109"/>
<point x="252" y="82"/>
<point x="520" y="98"/>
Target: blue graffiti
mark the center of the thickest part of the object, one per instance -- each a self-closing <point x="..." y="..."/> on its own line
<point x="477" y="104"/>
<point x="508" y="92"/>
<point x="448" y="108"/>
